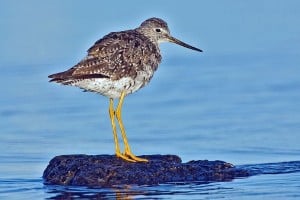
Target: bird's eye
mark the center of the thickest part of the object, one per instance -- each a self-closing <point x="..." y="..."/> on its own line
<point x="158" y="30"/>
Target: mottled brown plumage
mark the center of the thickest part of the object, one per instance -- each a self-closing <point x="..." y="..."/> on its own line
<point x="116" y="55"/>
<point x="119" y="64"/>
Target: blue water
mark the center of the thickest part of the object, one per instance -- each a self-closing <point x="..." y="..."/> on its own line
<point x="196" y="107"/>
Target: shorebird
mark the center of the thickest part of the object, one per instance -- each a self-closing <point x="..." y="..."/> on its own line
<point x="119" y="64"/>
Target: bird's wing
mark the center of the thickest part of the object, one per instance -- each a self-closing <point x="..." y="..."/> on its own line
<point x="116" y="55"/>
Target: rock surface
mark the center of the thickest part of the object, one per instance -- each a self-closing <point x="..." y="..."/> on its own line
<point x="108" y="170"/>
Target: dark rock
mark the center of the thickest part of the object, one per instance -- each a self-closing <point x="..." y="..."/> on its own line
<point x="108" y="170"/>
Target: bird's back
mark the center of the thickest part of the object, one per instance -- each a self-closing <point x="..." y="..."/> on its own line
<point x="117" y="56"/>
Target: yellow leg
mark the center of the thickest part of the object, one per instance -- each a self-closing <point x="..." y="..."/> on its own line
<point x="127" y="151"/>
<point x="112" y="120"/>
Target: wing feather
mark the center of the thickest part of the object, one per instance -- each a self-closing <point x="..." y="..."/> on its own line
<point x="116" y="55"/>
<point x="119" y="54"/>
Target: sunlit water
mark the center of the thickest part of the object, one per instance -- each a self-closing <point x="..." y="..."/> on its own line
<point x="242" y="111"/>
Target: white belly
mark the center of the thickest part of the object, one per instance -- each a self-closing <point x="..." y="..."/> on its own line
<point x="114" y="88"/>
<point x="109" y="88"/>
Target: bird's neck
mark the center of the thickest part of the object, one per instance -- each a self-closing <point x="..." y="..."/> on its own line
<point x="148" y="34"/>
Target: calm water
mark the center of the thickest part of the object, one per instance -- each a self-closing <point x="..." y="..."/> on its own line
<point x="243" y="110"/>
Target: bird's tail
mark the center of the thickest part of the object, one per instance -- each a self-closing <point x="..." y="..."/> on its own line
<point x="67" y="77"/>
<point x="61" y="77"/>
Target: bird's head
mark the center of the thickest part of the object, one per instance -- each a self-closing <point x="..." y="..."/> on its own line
<point x="157" y="31"/>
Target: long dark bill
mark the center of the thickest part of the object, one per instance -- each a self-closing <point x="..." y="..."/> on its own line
<point x="176" y="41"/>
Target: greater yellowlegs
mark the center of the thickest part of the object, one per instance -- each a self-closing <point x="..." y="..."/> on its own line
<point x="119" y="64"/>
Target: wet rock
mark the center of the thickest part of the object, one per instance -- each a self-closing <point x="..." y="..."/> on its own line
<point x="108" y="170"/>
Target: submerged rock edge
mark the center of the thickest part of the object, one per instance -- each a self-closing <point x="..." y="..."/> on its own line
<point x="108" y="171"/>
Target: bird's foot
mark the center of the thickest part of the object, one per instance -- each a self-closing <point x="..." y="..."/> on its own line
<point x="130" y="157"/>
<point x="124" y="157"/>
<point x="133" y="157"/>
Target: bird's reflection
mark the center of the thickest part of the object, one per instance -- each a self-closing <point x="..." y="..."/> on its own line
<point x="134" y="192"/>
<point x="62" y="193"/>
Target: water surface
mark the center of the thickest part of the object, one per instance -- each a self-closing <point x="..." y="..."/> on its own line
<point x="197" y="110"/>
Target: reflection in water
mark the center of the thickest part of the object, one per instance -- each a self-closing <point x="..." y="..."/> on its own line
<point x="125" y="192"/>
